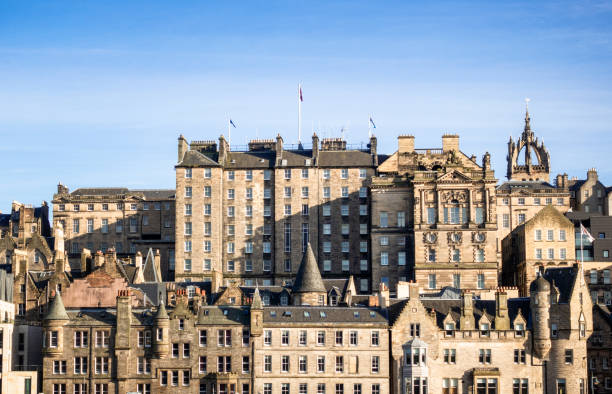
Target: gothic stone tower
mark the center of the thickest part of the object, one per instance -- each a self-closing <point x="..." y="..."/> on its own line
<point x="538" y="170"/>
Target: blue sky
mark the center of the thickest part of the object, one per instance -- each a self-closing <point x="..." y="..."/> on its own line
<point x="96" y="93"/>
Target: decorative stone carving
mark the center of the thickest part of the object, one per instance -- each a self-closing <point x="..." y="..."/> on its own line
<point x="479" y="237"/>
<point x="454" y="237"/>
<point x="459" y="195"/>
<point x="430" y="238"/>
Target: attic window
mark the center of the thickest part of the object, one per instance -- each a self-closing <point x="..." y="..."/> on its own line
<point x="206" y="312"/>
<point x="372" y="314"/>
<point x="273" y="313"/>
<point x="287" y="313"/>
<point x="322" y="314"/>
<point x="233" y="161"/>
<point x="284" y="162"/>
<point x="307" y="162"/>
<point x="356" y="315"/>
<point x="449" y="328"/>
<point x="306" y="314"/>
<point x="225" y="312"/>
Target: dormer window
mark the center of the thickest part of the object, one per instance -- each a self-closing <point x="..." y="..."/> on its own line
<point x="333" y="300"/>
<point x="449" y="329"/>
<point x="484" y="329"/>
<point x="519" y="329"/>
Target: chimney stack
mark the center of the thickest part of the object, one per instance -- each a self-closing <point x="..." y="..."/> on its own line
<point x="502" y="319"/>
<point x="466" y="321"/>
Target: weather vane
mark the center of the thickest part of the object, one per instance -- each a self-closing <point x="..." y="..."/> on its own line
<point x="527" y="100"/>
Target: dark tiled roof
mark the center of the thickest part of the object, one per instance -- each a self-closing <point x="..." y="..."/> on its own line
<point x="155" y="292"/>
<point x="317" y="314"/>
<point x="99" y="191"/>
<point x="308" y="278"/>
<point x="297" y="158"/>
<point x="345" y="159"/>
<point x="218" y="315"/>
<point x="149" y="270"/>
<point x="562" y="279"/>
<point x="155" y="194"/>
<point x="5" y="219"/>
<point x="40" y="278"/>
<point x="576" y="184"/>
<point x="193" y="158"/>
<point x="261" y="159"/>
<point x="519" y="185"/>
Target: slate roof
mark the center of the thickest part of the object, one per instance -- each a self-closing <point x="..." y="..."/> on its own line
<point x="519" y="185"/>
<point x="308" y="278"/>
<point x="218" y="315"/>
<point x="156" y="194"/>
<point x="5" y="219"/>
<point x="148" y="194"/>
<point x="100" y="191"/>
<point x="323" y="314"/>
<point x="563" y="279"/>
<point x="255" y="159"/>
<point x="443" y="307"/>
<point x="193" y="158"/>
<point x="576" y="184"/>
<point x="349" y="158"/>
<point x="150" y="273"/>
<point x="155" y="292"/>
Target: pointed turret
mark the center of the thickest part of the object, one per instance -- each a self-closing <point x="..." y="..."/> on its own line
<point x="161" y="344"/>
<point x="256" y="304"/>
<point x="161" y="312"/>
<point x="53" y="327"/>
<point x="56" y="309"/>
<point x="308" y="287"/>
<point x="256" y="314"/>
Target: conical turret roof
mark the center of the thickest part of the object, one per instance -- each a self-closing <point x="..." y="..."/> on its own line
<point x="161" y="312"/>
<point x="308" y="278"/>
<point x="256" y="304"/>
<point x="56" y="310"/>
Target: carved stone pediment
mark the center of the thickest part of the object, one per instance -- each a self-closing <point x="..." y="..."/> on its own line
<point x="454" y="176"/>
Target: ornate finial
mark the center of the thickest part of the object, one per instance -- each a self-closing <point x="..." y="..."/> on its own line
<point x="527" y="118"/>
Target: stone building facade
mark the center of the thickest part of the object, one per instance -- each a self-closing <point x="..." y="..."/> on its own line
<point x="434" y="218"/>
<point x="546" y="240"/>
<point x="466" y="345"/>
<point x="250" y="214"/>
<point x="590" y="195"/>
<point x="127" y="221"/>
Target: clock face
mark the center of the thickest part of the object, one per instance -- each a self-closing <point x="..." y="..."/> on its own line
<point x="479" y="237"/>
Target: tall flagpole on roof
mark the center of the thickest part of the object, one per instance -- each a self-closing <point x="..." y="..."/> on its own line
<point x="229" y="132"/>
<point x="300" y="114"/>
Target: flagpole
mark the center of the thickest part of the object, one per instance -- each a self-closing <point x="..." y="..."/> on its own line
<point x="229" y="132"/>
<point x="299" y="114"/>
<point x="370" y="126"/>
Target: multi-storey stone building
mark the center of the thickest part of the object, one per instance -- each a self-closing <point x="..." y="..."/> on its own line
<point x="426" y="343"/>
<point x="250" y="214"/>
<point x="466" y="345"/>
<point x="546" y="240"/>
<point x="434" y="218"/>
<point x="127" y="221"/>
<point x="590" y="195"/>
